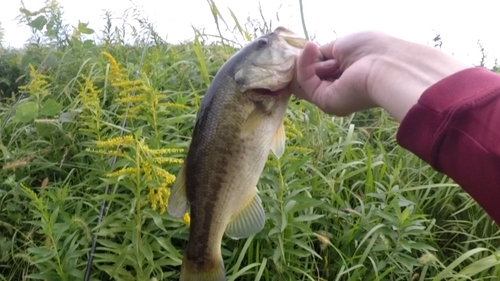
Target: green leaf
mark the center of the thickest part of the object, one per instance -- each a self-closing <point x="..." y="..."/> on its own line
<point x="26" y="11"/>
<point x="27" y="59"/>
<point x="82" y="27"/>
<point x="406" y="245"/>
<point x="146" y="250"/>
<point x="52" y="61"/>
<point x="405" y="215"/>
<point x="38" y="23"/>
<point x="309" y="218"/>
<point x="4" y="80"/>
<point x="45" y="130"/>
<point x="50" y="108"/>
<point x="26" y="112"/>
<point x="88" y="43"/>
<point x="67" y="116"/>
<point x="41" y="255"/>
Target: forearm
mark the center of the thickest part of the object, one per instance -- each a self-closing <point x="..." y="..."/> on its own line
<point x="407" y="71"/>
<point x="455" y="127"/>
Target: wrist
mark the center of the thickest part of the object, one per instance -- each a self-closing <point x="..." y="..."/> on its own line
<point x="408" y="74"/>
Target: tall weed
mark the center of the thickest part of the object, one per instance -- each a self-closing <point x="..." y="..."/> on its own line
<point x="99" y="129"/>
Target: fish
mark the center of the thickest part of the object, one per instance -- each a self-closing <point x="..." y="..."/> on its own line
<point x="238" y="124"/>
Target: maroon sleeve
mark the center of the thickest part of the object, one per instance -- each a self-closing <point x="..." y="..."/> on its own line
<point x="455" y="127"/>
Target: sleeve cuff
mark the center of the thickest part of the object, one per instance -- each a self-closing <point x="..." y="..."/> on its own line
<point x="425" y="125"/>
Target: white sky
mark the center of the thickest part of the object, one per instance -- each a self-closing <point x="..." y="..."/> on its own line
<point x="460" y="23"/>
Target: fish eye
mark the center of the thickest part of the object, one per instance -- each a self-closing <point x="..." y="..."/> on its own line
<point x="262" y="41"/>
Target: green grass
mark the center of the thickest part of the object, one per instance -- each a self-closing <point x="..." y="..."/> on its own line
<point x="344" y="203"/>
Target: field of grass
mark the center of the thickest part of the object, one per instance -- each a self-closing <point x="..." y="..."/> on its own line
<point x="89" y="127"/>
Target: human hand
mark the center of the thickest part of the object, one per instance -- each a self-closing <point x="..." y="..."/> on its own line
<point x="369" y="69"/>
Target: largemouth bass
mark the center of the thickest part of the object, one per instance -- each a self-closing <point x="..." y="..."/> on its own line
<point x="239" y="122"/>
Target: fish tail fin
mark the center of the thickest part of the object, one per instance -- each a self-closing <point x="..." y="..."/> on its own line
<point x="213" y="270"/>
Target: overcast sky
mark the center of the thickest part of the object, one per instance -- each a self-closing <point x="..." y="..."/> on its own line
<point x="460" y="23"/>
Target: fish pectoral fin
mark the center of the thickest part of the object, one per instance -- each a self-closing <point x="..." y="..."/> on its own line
<point x="249" y="220"/>
<point x="178" y="204"/>
<point x="278" y="142"/>
<point x="253" y="121"/>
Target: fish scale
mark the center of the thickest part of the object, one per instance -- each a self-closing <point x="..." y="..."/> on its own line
<point x="240" y="121"/>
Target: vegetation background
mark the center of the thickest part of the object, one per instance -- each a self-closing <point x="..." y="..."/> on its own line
<point x="93" y="133"/>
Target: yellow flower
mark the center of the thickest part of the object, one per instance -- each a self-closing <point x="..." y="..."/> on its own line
<point x="152" y="198"/>
<point x="89" y="93"/>
<point x="165" y="160"/>
<point x="123" y="171"/>
<point x="129" y="85"/>
<point x="135" y="109"/>
<point x="186" y="219"/>
<point x="147" y="170"/>
<point x="167" y="177"/>
<point x="117" y="141"/>
<point x="159" y="196"/>
<point x="176" y="105"/>
<point x="115" y="71"/>
<point x="299" y="149"/>
<point x="108" y="152"/>
<point x="132" y="88"/>
<point x="290" y="129"/>
<point x="39" y="84"/>
<point x="157" y="152"/>
<point x="136" y="98"/>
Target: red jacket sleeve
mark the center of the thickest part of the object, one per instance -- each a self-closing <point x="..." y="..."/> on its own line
<point x="455" y="127"/>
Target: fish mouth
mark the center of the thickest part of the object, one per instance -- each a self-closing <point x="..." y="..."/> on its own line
<point x="266" y="92"/>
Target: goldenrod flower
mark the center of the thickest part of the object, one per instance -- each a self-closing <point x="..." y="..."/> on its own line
<point x="147" y="170"/>
<point x="30" y="191"/>
<point x="168" y="160"/>
<point x="106" y="152"/>
<point x="159" y="196"/>
<point x="122" y="171"/>
<point x="176" y="105"/>
<point x="135" y="109"/>
<point x="135" y="98"/>
<point x="38" y="85"/>
<point x="290" y="129"/>
<point x="152" y="198"/>
<point x="167" y="177"/>
<point x="117" y="141"/>
<point x="116" y="73"/>
<point x="299" y="149"/>
<point x="129" y="85"/>
<point x="156" y="152"/>
<point x="89" y="94"/>
<point x="186" y="219"/>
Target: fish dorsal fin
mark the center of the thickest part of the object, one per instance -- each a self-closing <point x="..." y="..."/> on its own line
<point x="178" y="204"/>
<point x="249" y="220"/>
<point x="278" y="141"/>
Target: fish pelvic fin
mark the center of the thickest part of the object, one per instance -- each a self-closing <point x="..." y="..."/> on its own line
<point x="278" y="141"/>
<point x="250" y="219"/>
<point x="191" y="272"/>
<point x="178" y="204"/>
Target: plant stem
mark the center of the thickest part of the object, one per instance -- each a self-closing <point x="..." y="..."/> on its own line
<point x="302" y="19"/>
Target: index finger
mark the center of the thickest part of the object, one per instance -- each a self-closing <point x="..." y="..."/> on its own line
<point x="308" y="81"/>
<point x="327" y="50"/>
